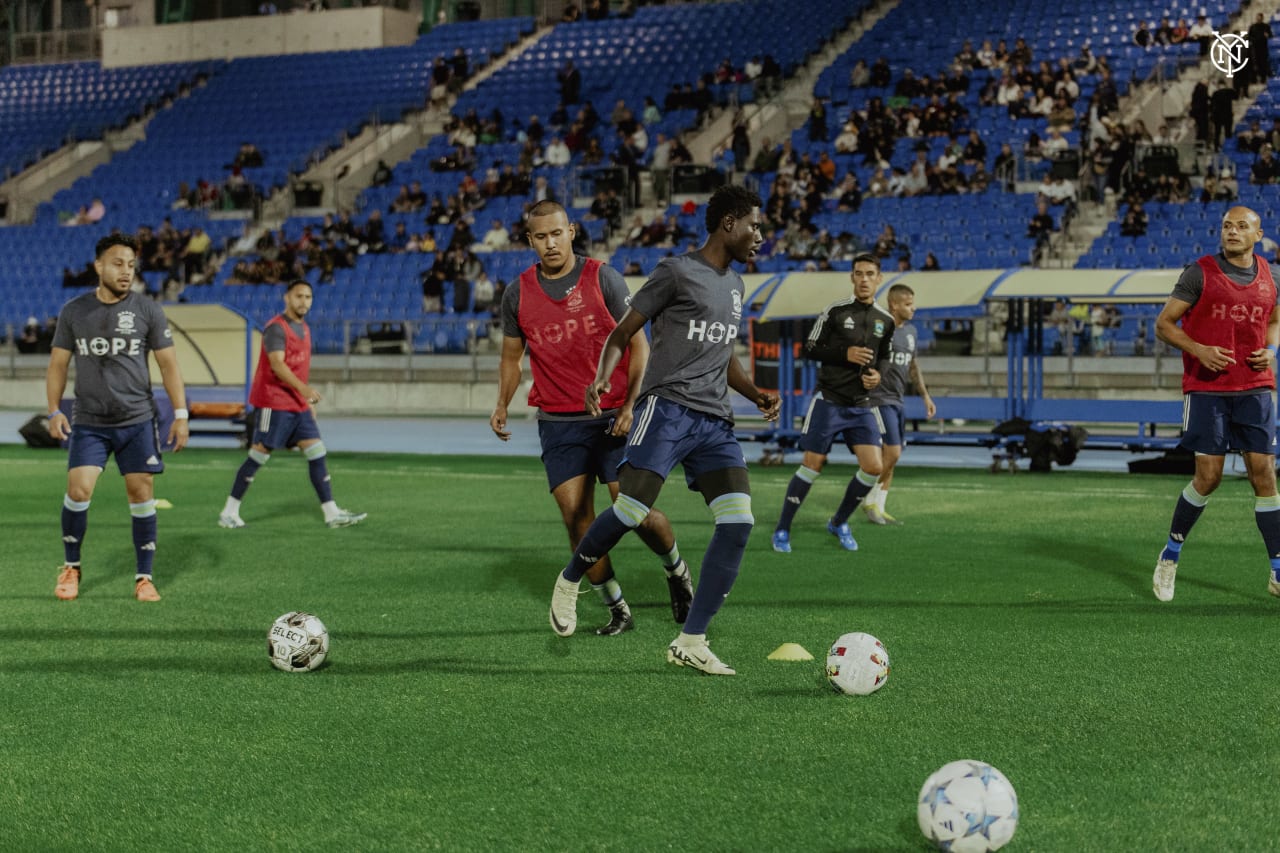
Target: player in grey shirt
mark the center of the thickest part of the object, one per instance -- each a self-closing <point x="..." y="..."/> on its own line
<point x="899" y="373"/>
<point x="110" y="333"/>
<point x="683" y="417"/>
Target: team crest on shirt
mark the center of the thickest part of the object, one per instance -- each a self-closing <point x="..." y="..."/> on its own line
<point x="879" y="327"/>
<point x="911" y="342"/>
<point x="125" y="323"/>
<point x="574" y="303"/>
<point x="737" y="305"/>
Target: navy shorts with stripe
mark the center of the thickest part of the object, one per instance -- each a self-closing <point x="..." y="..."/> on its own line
<point x="666" y="433"/>
<point x="856" y="425"/>
<point x="574" y="448"/>
<point x="1214" y="424"/>
<point x="274" y="428"/>
<point x="136" y="447"/>
<point x="893" y="423"/>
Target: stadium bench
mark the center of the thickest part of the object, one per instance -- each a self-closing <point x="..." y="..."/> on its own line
<point x="1145" y="416"/>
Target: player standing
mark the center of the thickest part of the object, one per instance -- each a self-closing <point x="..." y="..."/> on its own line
<point x="898" y="373"/>
<point x="284" y="409"/>
<point x="1222" y="314"/>
<point x="110" y="331"/>
<point x="684" y="415"/>
<point x="561" y="309"/>
<point x="849" y="338"/>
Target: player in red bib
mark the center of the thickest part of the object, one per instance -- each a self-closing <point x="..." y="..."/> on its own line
<point x="284" y="409"/>
<point x="1223" y="316"/>
<point x="561" y="310"/>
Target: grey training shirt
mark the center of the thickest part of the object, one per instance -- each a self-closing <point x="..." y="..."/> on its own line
<point x="110" y="344"/>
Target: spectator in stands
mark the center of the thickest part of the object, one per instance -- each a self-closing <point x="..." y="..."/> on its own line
<point x="248" y="157"/>
<point x="986" y="55"/>
<point x="496" y="239"/>
<point x="381" y="175"/>
<point x="557" y="153"/>
<point x="1252" y="138"/>
<point x="398" y="242"/>
<point x="881" y="75"/>
<point x="846" y="141"/>
<point x="1265" y="170"/>
<point x="930" y="263"/>
<point x="1041" y="226"/>
<point x="886" y="242"/>
<point x="266" y="7"/>
<point x="433" y="280"/>
<point x="878" y="187"/>
<point x="1086" y="62"/>
<point x="570" y="80"/>
<point x="1005" y="167"/>
<point x="1134" y="223"/>
<point x="1021" y="54"/>
<point x="1259" y="55"/>
<point x="1060" y="319"/>
<point x="848" y="194"/>
<point x="375" y="234"/>
<point x="1180" y="32"/>
<point x="860" y="76"/>
<point x="1202" y="32"/>
<point x="1099" y="324"/>
<point x="975" y="150"/>
<point x="597" y="10"/>
<point x="1222" y="110"/>
<point x="1163" y="33"/>
<point x="1142" y="36"/>
<point x="196" y="255"/>
<point x="571" y="14"/>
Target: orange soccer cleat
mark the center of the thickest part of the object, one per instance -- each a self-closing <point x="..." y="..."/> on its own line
<point x="145" y="590"/>
<point x="68" y="583"/>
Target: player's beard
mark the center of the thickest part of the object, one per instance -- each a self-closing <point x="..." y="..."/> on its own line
<point x="117" y="291"/>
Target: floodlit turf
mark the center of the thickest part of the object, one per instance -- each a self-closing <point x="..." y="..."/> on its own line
<point x="1017" y="610"/>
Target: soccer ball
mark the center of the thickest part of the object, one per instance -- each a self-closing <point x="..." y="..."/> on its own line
<point x="297" y="642"/>
<point x="968" y="807"/>
<point x="857" y="664"/>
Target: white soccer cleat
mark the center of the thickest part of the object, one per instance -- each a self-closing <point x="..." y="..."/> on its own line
<point x="343" y="518"/>
<point x="1162" y="580"/>
<point x="696" y="652"/>
<point x="230" y="520"/>
<point x="1273" y="584"/>
<point x="564" y="606"/>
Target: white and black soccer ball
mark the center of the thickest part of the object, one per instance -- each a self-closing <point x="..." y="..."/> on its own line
<point x="857" y="664"/>
<point x="968" y="807"/>
<point x="297" y="642"/>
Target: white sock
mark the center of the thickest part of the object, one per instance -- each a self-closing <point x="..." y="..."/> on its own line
<point x="881" y="496"/>
<point x="690" y="639"/>
<point x="330" y="509"/>
<point x="232" y="506"/>
<point x="870" y="501"/>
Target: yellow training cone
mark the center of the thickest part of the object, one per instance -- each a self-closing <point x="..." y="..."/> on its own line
<point x="161" y="503"/>
<point x="790" y="651"/>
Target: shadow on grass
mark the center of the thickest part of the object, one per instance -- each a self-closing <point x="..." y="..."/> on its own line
<point x="120" y="666"/>
<point x="1264" y="609"/>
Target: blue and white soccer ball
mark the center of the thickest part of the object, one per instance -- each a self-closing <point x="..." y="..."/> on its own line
<point x="857" y="664"/>
<point x="297" y="642"/>
<point x="968" y="807"/>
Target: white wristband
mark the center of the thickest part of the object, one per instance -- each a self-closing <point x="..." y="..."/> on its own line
<point x="181" y="415"/>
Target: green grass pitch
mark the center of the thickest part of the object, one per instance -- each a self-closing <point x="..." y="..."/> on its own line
<point x="1017" y="611"/>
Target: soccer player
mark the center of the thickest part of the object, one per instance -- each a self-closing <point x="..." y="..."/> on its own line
<point x="561" y="309"/>
<point x="284" y="409"/>
<point x="850" y="337"/>
<point x="1222" y="314"/>
<point x="684" y="415"/>
<point x="111" y="331"/>
<point x="898" y="373"/>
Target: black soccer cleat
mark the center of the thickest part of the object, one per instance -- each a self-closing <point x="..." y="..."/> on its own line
<point x="681" y="588"/>
<point x="620" y="621"/>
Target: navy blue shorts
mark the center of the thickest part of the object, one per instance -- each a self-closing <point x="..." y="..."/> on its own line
<point x="136" y="447"/>
<point x="274" y="428"/>
<point x="856" y="425"/>
<point x="893" y="423"/>
<point x="1214" y="424"/>
<point x="574" y="448"/>
<point x="666" y="433"/>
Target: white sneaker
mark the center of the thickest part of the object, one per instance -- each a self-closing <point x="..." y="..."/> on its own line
<point x="1273" y="584"/>
<point x="695" y="651"/>
<point x="1162" y="580"/>
<point x="230" y="520"/>
<point x="564" y="606"/>
<point x="342" y="518"/>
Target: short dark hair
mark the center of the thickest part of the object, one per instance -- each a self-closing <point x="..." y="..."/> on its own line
<point x="110" y="240"/>
<point x="900" y="291"/>
<point x="866" y="258"/>
<point x="730" y="200"/>
<point x="546" y="207"/>
<point x="299" y="282"/>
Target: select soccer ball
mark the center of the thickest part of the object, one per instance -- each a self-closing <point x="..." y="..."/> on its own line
<point x="857" y="664"/>
<point x="968" y="807"/>
<point x="297" y="642"/>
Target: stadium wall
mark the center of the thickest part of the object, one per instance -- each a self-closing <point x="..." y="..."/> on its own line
<point x="271" y="35"/>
